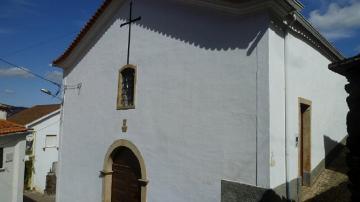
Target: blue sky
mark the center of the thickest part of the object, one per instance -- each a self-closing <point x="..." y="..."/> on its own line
<point x="34" y="32"/>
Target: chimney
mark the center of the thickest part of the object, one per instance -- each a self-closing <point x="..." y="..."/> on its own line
<point x="3" y="112"/>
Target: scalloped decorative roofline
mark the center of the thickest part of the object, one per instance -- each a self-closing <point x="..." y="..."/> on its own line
<point x="281" y="8"/>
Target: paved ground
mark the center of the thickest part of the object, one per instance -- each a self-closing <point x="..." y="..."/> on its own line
<point x="37" y="197"/>
<point x="331" y="184"/>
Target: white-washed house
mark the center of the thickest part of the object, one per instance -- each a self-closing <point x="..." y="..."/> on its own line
<point x="12" y="154"/>
<point x="42" y="147"/>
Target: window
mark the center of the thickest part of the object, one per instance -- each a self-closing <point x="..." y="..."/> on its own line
<point x="50" y="141"/>
<point x="29" y="147"/>
<point x="126" y="91"/>
<point x="1" y="157"/>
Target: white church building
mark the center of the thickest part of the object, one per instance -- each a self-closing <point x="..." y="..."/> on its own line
<point x="209" y="101"/>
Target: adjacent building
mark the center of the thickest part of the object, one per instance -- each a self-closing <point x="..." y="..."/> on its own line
<point x="200" y="100"/>
<point x="42" y="144"/>
<point x="12" y="154"/>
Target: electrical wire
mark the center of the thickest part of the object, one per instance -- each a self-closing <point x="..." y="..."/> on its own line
<point x="30" y="72"/>
<point x="35" y="45"/>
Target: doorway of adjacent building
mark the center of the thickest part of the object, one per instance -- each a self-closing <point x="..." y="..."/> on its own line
<point x="126" y="172"/>
<point x="305" y="141"/>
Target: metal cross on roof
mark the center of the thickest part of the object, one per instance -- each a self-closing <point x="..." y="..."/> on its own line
<point x="130" y="21"/>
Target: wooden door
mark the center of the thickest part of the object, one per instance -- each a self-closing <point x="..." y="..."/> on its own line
<point x="126" y="172"/>
<point x="305" y="143"/>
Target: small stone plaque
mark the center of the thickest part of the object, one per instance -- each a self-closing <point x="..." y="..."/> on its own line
<point x="124" y="126"/>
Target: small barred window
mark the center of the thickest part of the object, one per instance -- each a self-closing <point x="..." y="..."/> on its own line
<point x="126" y="91"/>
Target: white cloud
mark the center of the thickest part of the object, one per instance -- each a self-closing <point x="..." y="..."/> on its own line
<point x="8" y="91"/>
<point x="15" y="72"/>
<point x="55" y="76"/>
<point x="338" y="34"/>
<point x="339" y="20"/>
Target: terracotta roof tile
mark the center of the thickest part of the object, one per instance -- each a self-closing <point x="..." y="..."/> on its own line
<point x="7" y="127"/>
<point x="83" y="32"/>
<point x="29" y="115"/>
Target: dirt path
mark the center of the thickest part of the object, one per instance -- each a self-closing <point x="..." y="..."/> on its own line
<point x="331" y="184"/>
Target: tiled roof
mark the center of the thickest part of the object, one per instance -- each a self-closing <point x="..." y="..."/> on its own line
<point x="3" y="107"/>
<point x="29" y="115"/>
<point x="7" y="127"/>
<point x="10" y="109"/>
<point x="83" y="32"/>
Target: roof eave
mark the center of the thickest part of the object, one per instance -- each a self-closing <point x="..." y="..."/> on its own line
<point x="43" y="118"/>
<point x="26" y="132"/>
<point x="346" y="66"/>
<point x="280" y="7"/>
<point x="60" y="61"/>
<point x="306" y="24"/>
<point x="296" y="4"/>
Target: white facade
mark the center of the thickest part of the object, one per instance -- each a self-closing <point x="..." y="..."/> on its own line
<point x="215" y="96"/>
<point x="12" y="173"/>
<point x="45" y="147"/>
<point x="297" y="70"/>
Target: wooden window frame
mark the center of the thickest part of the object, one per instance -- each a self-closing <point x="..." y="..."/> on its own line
<point x="119" y="106"/>
<point x="46" y="146"/>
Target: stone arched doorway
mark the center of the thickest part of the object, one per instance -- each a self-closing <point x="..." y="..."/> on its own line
<point x="124" y="173"/>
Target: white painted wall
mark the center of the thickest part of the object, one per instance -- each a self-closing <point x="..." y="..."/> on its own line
<point x="199" y="76"/>
<point x="44" y="158"/>
<point x="277" y="108"/>
<point x="12" y="174"/>
<point x="307" y="77"/>
<point x="310" y="78"/>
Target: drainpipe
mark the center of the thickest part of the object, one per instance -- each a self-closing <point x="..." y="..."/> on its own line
<point x="288" y="22"/>
<point x="60" y="142"/>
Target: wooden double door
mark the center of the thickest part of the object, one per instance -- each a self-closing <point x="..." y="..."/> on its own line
<point x="125" y="177"/>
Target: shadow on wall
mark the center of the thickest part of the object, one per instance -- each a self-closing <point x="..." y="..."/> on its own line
<point x="335" y="161"/>
<point x="333" y="150"/>
<point x="200" y="27"/>
<point x="193" y="25"/>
